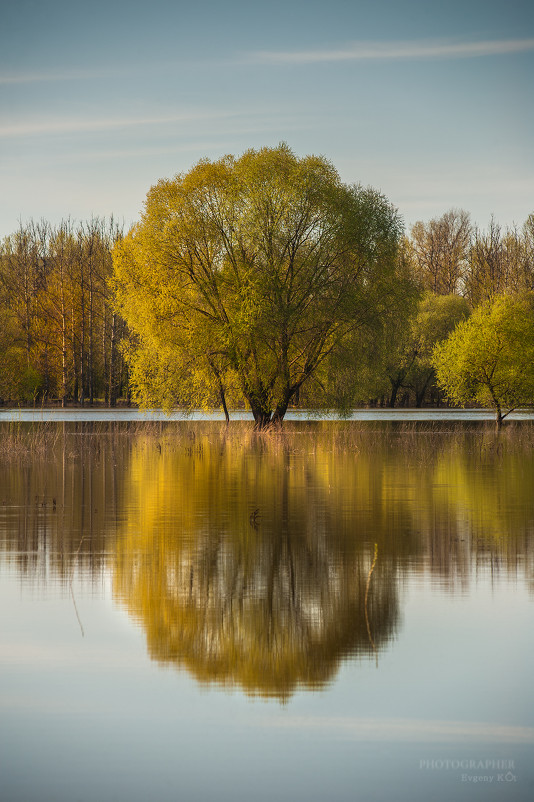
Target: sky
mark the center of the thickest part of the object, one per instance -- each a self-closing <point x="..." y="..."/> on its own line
<point x="430" y="102"/>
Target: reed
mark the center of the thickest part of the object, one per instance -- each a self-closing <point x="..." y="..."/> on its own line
<point x="47" y="440"/>
<point x="34" y="440"/>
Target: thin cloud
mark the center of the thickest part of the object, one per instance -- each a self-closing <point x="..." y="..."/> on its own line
<point x="125" y="71"/>
<point x="76" y="125"/>
<point x="41" y="77"/>
<point x="394" y="51"/>
<point x="252" y="120"/>
<point x="71" y="74"/>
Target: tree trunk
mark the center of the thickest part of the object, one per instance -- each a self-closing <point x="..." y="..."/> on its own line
<point x="499" y="417"/>
<point x="83" y="376"/>
<point x="223" y="402"/>
<point x="112" y="370"/>
<point x="74" y="356"/>
<point x="280" y="411"/>
<point x="105" y="356"/>
<point x="262" y="419"/>
<point x="63" y="354"/>
<point x="91" y="326"/>
<point x="282" y="405"/>
<point x="420" y="394"/>
<point x="395" y="387"/>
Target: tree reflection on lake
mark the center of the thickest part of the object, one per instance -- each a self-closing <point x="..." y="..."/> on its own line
<point x="264" y="561"/>
<point x="254" y="563"/>
<point x="240" y="569"/>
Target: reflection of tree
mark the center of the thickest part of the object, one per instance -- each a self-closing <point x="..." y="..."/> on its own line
<point x="59" y="497"/>
<point x="265" y="586"/>
<point x="248" y="563"/>
<point x="245" y="560"/>
<point x="470" y="496"/>
<point x="267" y="620"/>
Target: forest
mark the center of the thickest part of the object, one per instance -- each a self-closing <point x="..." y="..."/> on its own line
<point x="59" y="334"/>
<point x="76" y="305"/>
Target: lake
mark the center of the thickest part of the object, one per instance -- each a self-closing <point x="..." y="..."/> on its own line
<point x="343" y="611"/>
<point x="132" y="414"/>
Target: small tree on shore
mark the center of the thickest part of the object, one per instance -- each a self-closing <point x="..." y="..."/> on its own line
<point x="489" y="358"/>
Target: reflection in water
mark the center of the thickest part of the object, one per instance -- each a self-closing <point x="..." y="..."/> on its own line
<point x="60" y="497"/>
<point x="264" y="561"/>
<point x="240" y="569"/>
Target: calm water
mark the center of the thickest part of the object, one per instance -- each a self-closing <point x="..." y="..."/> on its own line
<point x="39" y="415"/>
<point x="344" y="612"/>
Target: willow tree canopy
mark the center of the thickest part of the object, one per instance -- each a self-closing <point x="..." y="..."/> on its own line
<point x="244" y="274"/>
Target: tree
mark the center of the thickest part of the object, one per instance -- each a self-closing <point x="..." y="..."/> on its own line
<point x="500" y="262"/>
<point x="60" y="336"/>
<point x="244" y="274"/>
<point x="486" y="273"/>
<point x="437" y="316"/>
<point x="371" y="361"/>
<point x="400" y="358"/>
<point x="489" y="358"/>
<point x="441" y="248"/>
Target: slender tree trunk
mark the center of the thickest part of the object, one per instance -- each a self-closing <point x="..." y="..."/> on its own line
<point x="223" y="403"/>
<point x="395" y="387"/>
<point x="91" y="323"/>
<point x="222" y="394"/>
<point x="82" y="354"/>
<point x="498" y="410"/>
<point x="63" y="346"/>
<point x="74" y="356"/>
<point x="420" y="394"/>
<point x="112" y="357"/>
<point x="27" y="304"/>
<point x="105" y="356"/>
<point x="83" y="377"/>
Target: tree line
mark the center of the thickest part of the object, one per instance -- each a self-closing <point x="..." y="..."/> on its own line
<point x="264" y="280"/>
<point x="59" y="331"/>
<point x="465" y="279"/>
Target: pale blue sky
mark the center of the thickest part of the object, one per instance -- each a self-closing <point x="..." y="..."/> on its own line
<point x="430" y="102"/>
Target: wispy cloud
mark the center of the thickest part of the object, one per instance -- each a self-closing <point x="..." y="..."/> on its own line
<point x="238" y="120"/>
<point x="125" y="71"/>
<point x="393" y="51"/>
<point x="57" y="75"/>
<point x="76" y="125"/>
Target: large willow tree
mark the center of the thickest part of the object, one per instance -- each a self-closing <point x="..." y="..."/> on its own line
<point x="244" y="274"/>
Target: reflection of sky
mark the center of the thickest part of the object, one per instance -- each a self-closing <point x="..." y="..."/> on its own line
<point x="399" y="415"/>
<point x="86" y="714"/>
<point x="455" y="684"/>
<point x="428" y="102"/>
<point x="434" y="731"/>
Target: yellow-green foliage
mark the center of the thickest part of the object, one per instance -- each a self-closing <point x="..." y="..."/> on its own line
<point x="244" y="274"/>
<point x="489" y="358"/>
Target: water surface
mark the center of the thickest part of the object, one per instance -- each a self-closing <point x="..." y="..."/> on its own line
<point x="340" y="612"/>
<point x="42" y="414"/>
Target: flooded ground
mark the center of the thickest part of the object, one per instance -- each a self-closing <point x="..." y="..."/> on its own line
<point x="340" y="612"/>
